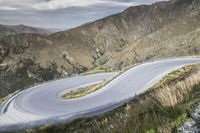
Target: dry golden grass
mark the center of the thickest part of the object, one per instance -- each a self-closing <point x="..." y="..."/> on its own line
<point x="165" y="108"/>
<point x="170" y="96"/>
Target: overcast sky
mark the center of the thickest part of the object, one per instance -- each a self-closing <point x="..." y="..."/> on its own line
<point x="61" y="14"/>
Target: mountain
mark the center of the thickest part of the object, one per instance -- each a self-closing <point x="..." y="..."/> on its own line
<point x="140" y="33"/>
<point x="15" y="29"/>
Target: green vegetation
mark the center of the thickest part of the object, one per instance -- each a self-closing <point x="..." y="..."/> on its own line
<point x="161" y="110"/>
<point x="83" y="91"/>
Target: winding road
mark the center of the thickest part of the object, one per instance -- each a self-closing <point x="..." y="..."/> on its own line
<point x="42" y="104"/>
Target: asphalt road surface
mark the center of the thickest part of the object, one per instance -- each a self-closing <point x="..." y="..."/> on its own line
<point x="42" y="104"/>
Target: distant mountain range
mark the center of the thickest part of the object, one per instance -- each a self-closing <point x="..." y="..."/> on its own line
<point x="16" y="29"/>
<point x="140" y="33"/>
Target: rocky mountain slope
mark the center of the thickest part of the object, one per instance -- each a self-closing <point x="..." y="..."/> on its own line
<point x="138" y="34"/>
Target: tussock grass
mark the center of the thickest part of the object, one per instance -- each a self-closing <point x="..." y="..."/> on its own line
<point x="165" y="108"/>
<point x="162" y="109"/>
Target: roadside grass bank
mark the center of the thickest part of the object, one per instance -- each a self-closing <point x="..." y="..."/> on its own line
<point x="96" y="71"/>
<point x="162" y="109"/>
<point x="83" y="91"/>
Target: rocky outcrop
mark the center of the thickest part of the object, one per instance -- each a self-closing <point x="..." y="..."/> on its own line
<point x="192" y="125"/>
<point x="77" y="68"/>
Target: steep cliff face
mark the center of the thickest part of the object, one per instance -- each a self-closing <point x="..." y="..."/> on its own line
<point x="164" y="29"/>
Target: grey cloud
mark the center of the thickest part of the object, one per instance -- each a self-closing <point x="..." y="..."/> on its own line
<point x="64" y="18"/>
